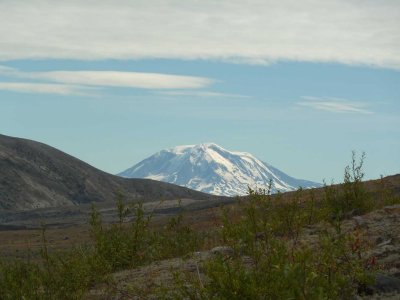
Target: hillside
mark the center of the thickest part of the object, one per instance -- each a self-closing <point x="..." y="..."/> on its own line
<point x="35" y="175"/>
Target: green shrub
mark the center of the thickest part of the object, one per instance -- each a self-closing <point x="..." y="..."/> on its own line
<point x="20" y="280"/>
<point x="126" y="245"/>
<point x="66" y="275"/>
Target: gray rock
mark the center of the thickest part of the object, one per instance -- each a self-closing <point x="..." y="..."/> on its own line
<point x="360" y="222"/>
<point x="386" y="284"/>
<point x="387" y="242"/>
<point x="392" y="208"/>
<point x="260" y="235"/>
<point x="222" y="250"/>
<point x="378" y="240"/>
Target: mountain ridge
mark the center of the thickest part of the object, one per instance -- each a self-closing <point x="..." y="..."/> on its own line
<point x="209" y="168"/>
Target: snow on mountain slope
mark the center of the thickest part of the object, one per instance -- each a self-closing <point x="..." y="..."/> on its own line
<point x="211" y="169"/>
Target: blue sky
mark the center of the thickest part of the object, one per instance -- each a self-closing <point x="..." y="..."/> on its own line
<point x="300" y="94"/>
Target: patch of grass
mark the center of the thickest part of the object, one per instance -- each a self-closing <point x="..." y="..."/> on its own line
<point x="66" y="275"/>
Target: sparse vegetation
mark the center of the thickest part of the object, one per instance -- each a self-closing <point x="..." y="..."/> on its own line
<point x="268" y="258"/>
<point x="70" y="274"/>
<point x="270" y="261"/>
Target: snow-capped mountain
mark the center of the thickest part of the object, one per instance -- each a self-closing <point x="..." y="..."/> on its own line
<point x="212" y="169"/>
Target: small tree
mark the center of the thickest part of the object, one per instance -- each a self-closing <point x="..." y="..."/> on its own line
<point x="355" y="196"/>
<point x="351" y="198"/>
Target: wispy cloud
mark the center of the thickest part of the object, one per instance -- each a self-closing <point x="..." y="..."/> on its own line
<point x="78" y="79"/>
<point x="334" y="105"/>
<point x="6" y="70"/>
<point x="254" y="31"/>
<point x="46" y="88"/>
<point x="115" y="79"/>
<point x="124" y="79"/>
<point x="202" y="94"/>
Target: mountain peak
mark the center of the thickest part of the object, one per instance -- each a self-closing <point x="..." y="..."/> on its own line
<point x="207" y="145"/>
<point x="209" y="168"/>
<point x="201" y="146"/>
